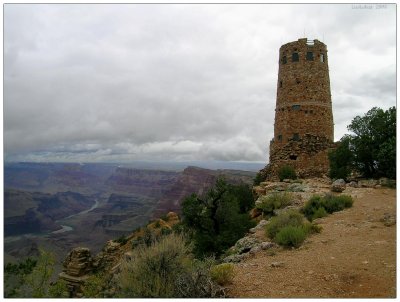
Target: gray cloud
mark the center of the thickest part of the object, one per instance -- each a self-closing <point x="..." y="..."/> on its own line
<point x="180" y="82"/>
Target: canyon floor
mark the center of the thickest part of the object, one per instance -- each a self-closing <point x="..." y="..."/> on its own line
<point x="354" y="256"/>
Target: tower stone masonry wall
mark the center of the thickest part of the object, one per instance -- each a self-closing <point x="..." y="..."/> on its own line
<point x="303" y="129"/>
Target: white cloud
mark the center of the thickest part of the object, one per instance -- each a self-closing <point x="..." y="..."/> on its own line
<point x="191" y="82"/>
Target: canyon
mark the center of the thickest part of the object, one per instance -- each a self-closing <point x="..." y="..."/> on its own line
<point x="58" y="206"/>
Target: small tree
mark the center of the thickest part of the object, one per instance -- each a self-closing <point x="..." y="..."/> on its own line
<point x="37" y="283"/>
<point x="373" y="143"/>
<point x="217" y="220"/>
<point x="341" y="159"/>
<point x="258" y="179"/>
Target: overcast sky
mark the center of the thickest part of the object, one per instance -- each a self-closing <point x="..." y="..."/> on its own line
<point x="177" y="82"/>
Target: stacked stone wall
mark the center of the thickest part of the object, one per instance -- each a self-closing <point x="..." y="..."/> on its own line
<point x="308" y="156"/>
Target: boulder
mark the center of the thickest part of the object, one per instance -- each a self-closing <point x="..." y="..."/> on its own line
<point x="78" y="262"/>
<point x="353" y="184"/>
<point x="255" y="213"/>
<point x="234" y="258"/>
<point x="262" y="223"/>
<point x="245" y="244"/>
<point x="339" y="185"/>
<point x="259" y="191"/>
<point x="277" y="264"/>
<point x="255" y="249"/>
<point x="388" y="219"/>
<point x="295" y="187"/>
<point x="367" y="183"/>
<point x="266" y="245"/>
<point x="77" y="266"/>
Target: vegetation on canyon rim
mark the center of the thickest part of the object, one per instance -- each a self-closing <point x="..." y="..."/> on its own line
<point x="371" y="148"/>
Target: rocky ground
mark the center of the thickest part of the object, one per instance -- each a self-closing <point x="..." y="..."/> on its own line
<point x="353" y="257"/>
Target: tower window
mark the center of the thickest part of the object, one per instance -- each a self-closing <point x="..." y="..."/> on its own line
<point x="279" y="137"/>
<point x="284" y="60"/>
<point x="280" y="84"/>
<point x="295" y="57"/>
<point x="293" y="157"/>
<point x="296" y="137"/>
<point x="310" y="56"/>
<point x="296" y="107"/>
<point x="321" y="58"/>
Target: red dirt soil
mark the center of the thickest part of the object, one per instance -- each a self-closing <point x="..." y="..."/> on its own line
<point x="354" y="256"/>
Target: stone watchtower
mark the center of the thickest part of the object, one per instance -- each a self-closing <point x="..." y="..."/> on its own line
<point x="303" y="129"/>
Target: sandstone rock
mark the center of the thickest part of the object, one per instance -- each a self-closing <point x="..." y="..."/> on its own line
<point x="353" y="184"/>
<point x="277" y="186"/>
<point x="280" y="211"/>
<point x="172" y="217"/>
<point x="253" y="230"/>
<point x="78" y="262"/>
<point x="259" y="226"/>
<point x="255" y="213"/>
<point x="339" y="185"/>
<point x="77" y="266"/>
<point x="259" y="191"/>
<point x="262" y="223"/>
<point x="255" y="249"/>
<point x="277" y="264"/>
<point x="367" y="183"/>
<point x="245" y="244"/>
<point x="389" y="219"/>
<point x="266" y="245"/>
<point x="295" y="187"/>
<point x="234" y="258"/>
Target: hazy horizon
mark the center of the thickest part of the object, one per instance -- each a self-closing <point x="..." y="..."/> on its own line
<point x="164" y="165"/>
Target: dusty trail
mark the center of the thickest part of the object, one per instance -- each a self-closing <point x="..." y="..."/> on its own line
<point x="353" y="257"/>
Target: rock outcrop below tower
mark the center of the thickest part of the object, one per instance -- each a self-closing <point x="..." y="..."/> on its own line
<point x="303" y="129"/>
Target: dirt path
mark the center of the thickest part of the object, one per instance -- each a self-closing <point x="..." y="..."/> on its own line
<point x="353" y="257"/>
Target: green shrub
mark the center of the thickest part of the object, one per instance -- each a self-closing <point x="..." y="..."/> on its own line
<point x="311" y="228"/>
<point x="319" y="213"/>
<point x="166" y="269"/>
<point x="291" y="236"/>
<point x="153" y="270"/>
<point x="287" y="218"/>
<point x="333" y="203"/>
<point x="122" y="240"/>
<point x="318" y="206"/>
<point x="222" y="273"/>
<point x="258" y="179"/>
<point x="59" y="289"/>
<point x="274" y="201"/>
<point x="347" y="200"/>
<point x="286" y="172"/>
<point x="94" y="286"/>
<point x="196" y="281"/>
